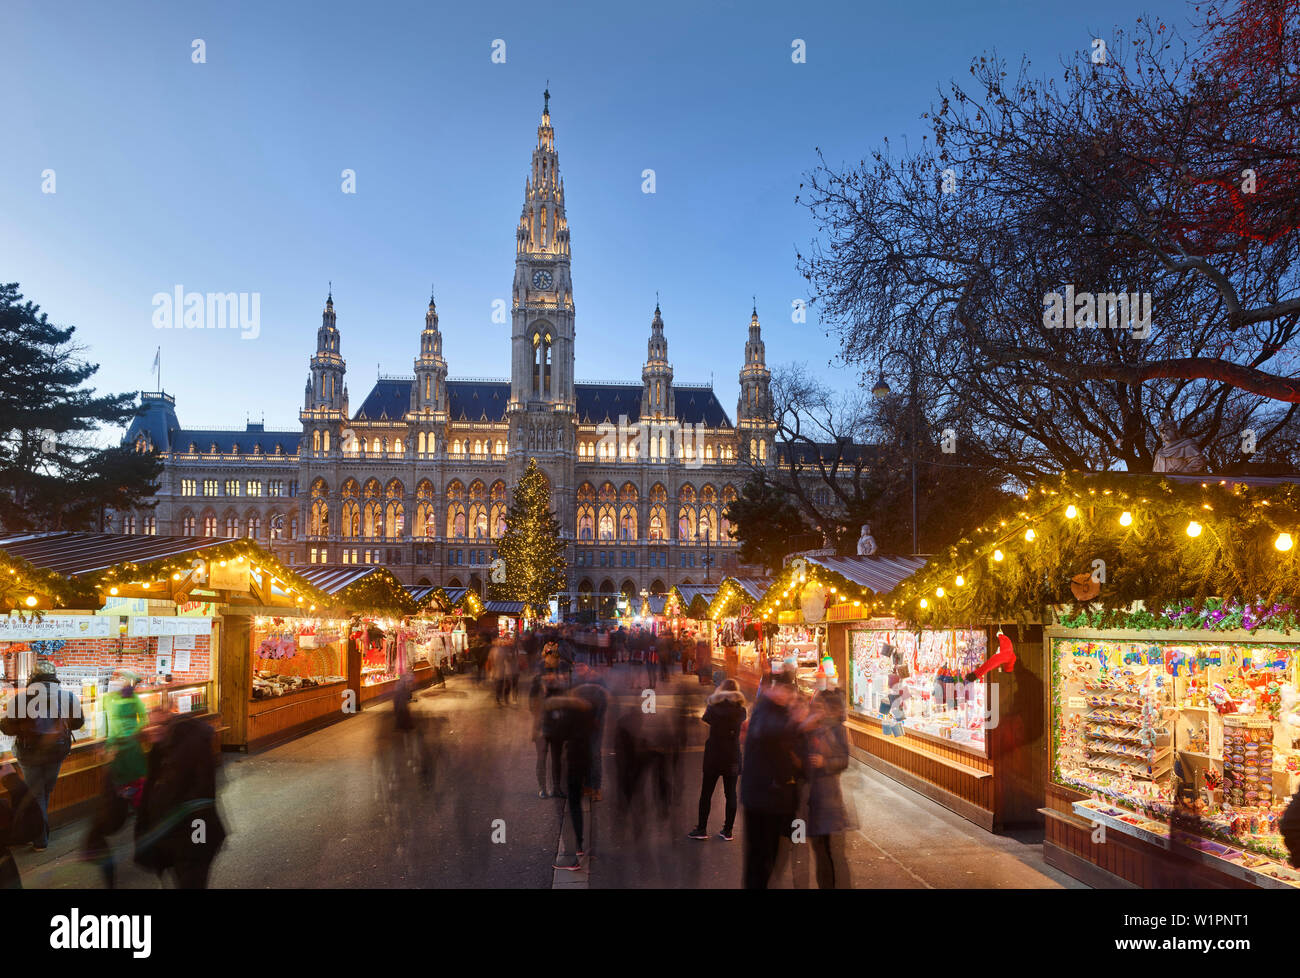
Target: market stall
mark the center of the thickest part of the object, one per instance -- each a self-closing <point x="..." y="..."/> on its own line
<point x="1170" y="740"/>
<point x="1161" y="733"/>
<point x="163" y="613"/>
<point x="736" y="630"/>
<point x="379" y="648"/>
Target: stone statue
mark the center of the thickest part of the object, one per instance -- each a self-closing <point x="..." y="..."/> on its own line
<point x="866" y="542"/>
<point x="1176" y="454"/>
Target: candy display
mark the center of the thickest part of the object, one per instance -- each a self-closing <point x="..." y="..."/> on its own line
<point x="1191" y="731"/>
<point x="291" y="655"/>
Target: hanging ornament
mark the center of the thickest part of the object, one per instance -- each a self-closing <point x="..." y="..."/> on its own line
<point x="1005" y="657"/>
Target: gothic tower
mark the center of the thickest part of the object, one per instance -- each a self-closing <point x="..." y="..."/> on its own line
<point x="754" y="423"/>
<point x="429" y="392"/>
<point x="542" y="406"/>
<point x="657" y="374"/>
<point x="325" y="401"/>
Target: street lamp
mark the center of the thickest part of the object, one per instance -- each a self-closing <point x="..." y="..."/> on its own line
<point x="705" y="526"/>
<point x="881" y="391"/>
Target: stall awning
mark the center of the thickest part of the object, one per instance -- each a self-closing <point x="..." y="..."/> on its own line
<point x="503" y="607"/>
<point x="656" y="603"/>
<point x="420" y="593"/>
<point x="880" y="573"/>
<point x="74" y="568"/>
<point x="735" y="592"/>
<point x="361" y="588"/>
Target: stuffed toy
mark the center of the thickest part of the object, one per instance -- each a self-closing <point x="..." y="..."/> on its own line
<point x="1005" y="657"/>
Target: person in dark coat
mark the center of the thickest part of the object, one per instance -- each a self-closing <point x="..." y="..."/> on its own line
<point x="179" y="827"/>
<point x="769" y="777"/>
<point x="725" y="714"/>
<point x="570" y="720"/>
<point x="592" y="690"/>
<point x="41" y="718"/>
<point x="826" y="757"/>
<point x="20" y="822"/>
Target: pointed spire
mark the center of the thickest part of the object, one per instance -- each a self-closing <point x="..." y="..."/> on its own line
<point x="546" y="96"/>
<point x="754" y="315"/>
<point x="431" y="304"/>
<point x="329" y="299"/>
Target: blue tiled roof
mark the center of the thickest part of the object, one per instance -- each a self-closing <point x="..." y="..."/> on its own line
<point x="158" y="421"/>
<point x="242" y="442"/>
<point x="471" y="400"/>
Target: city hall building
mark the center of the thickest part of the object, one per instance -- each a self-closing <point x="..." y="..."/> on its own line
<point x="419" y="476"/>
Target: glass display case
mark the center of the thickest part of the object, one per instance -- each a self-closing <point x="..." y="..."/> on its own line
<point x="917" y="679"/>
<point x="1191" y="734"/>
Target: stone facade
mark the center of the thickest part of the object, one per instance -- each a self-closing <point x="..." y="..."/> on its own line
<point x="418" y="477"/>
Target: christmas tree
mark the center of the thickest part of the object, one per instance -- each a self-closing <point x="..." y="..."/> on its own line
<point x="531" y="547"/>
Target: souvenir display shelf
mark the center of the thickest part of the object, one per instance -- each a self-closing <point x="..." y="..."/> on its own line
<point x="1200" y="730"/>
<point x="932" y="701"/>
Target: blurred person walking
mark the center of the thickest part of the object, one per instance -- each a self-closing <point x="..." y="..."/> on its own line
<point x="725" y="714"/>
<point x="769" y="777"/>
<point x="569" y="720"/>
<point x="128" y="721"/>
<point x="41" y="719"/>
<point x="592" y="690"/>
<point x="20" y="822"/>
<point x="826" y="747"/>
<point x="179" y="827"/>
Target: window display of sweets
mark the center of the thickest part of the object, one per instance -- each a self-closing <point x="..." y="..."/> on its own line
<point x="1201" y="731"/>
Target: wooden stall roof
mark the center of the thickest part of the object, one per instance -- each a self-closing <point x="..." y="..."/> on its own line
<point x="420" y="593"/>
<point x="503" y="607"/>
<point x="748" y="589"/>
<point x="880" y="573"/>
<point x="132" y="565"/>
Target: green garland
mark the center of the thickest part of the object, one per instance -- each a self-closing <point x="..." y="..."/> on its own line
<point x="1152" y="558"/>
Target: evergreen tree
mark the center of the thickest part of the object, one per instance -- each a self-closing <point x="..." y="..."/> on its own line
<point x="531" y="548"/>
<point x="767" y="523"/>
<point x="52" y="475"/>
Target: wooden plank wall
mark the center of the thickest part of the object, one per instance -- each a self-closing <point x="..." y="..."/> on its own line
<point x="946" y="768"/>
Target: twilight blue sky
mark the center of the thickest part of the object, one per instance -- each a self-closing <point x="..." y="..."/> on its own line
<point x="225" y="176"/>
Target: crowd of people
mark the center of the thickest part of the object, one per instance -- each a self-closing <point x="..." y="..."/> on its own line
<point x="170" y="790"/>
<point x="779" y="760"/>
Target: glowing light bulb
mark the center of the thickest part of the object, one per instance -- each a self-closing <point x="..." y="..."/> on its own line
<point x="30" y="601"/>
<point x="112" y="590"/>
<point x="1071" y="512"/>
<point x="1284" y="542"/>
<point x="1125" y="518"/>
<point x="961" y="581"/>
<point x="1193" y="529"/>
<point x="997" y="555"/>
<point x="924" y="603"/>
<point x="938" y="592"/>
<point x="1029" y="535"/>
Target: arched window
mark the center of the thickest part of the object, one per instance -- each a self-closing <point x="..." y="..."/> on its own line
<point x="426" y="520"/>
<point x="627" y="500"/>
<point x="542" y="360"/>
<point x="478" y="516"/>
<point x="605" y="513"/>
<point x="658" y="512"/>
<point x="395" y="510"/>
<point x="728" y="497"/>
<point x="686" y="526"/>
<point x="456" y="510"/>
<point x="350" y="514"/>
<point x="421" y="442"/>
<point x="586" y="512"/>
<point x="497" y="514"/>
<point x="325" y="442"/>
<point x="708" y="514"/>
<point x="209" y="526"/>
<point x="762" y="450"/>
<point x="188" y="525"/>
<point x="254" y="524"/>
<point x="397" y="446"/>
<point x="315" y="441"/>
<point x="372" y="510"/>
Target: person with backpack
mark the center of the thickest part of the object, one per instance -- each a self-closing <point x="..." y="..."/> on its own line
<point x="41" y="718"/>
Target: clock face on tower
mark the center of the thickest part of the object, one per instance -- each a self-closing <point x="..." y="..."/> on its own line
<point x="542" y="279"/>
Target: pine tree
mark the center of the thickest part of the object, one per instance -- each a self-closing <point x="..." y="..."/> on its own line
<point x="531" y="548"/>
<point x="52" y="474"/>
